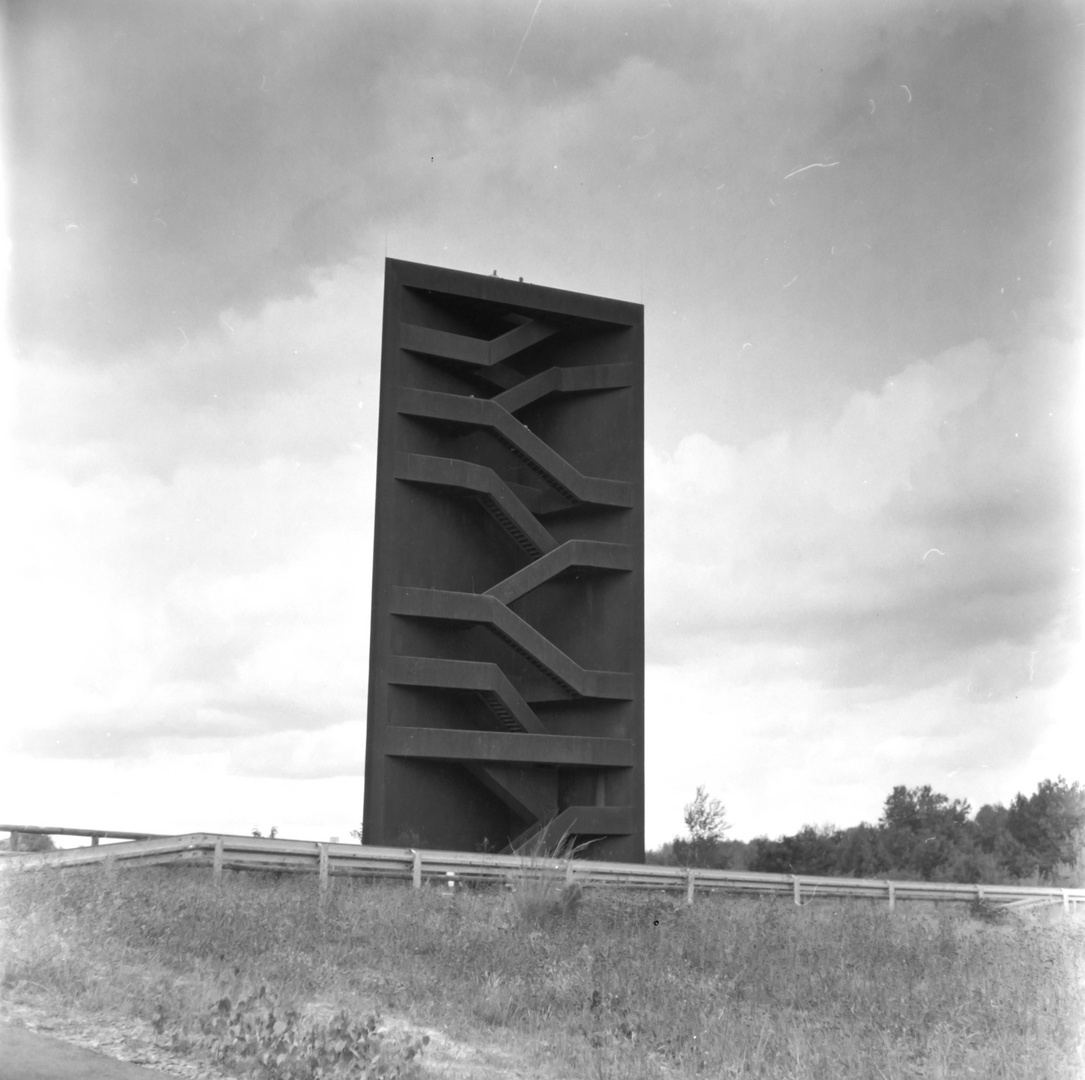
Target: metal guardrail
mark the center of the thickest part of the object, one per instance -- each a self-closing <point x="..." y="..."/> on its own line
<point x="330" y="860"/>
<point x="94" y="834"/>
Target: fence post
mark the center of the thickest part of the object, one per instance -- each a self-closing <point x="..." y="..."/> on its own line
<point x="416" y="869"/>
<point x="892" y="895"/>
<point x="216" y="862"/>
<point x="690" y="879"/>
<point x="323" y="850"/>
<point x="797" y="888"/>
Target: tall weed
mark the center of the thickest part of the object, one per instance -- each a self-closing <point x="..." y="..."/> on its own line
<point x="542" y="888"/>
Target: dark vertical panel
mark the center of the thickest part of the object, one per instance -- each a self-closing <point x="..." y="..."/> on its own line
<point x="510" y="442"/>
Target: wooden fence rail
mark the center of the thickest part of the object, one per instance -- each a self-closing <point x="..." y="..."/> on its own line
<point x="330" y="860"/>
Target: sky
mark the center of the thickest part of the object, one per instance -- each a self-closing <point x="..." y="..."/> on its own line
<point x="856" y="229"/>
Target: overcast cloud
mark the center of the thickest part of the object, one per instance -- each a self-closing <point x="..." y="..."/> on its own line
<point x="856" y="229"/>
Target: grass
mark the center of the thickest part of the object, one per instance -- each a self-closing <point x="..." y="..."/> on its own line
<point x="607" y="984"/>
<point x="542" y="890"/>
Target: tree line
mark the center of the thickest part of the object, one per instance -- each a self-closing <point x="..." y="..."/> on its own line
<point x="921" y="836"/>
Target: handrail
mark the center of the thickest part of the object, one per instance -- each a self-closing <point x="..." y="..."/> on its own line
<point x="338" y="859"/>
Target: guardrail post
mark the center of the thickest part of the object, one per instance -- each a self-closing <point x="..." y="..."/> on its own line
<point x="323" y="849"/>
<point x="216" y="862"/>
<point x="690" y="879"/>
<point x="568" y="871"/>
<point x="1066" y="901"/>
<point x="797" y="889"/>
<point x="892" y="895"/>
<point x="416" y="869"/>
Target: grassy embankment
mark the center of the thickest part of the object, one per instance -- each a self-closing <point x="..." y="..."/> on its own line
<point x="619" y="986"/>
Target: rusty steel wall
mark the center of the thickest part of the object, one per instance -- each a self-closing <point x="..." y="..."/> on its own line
<point x="506" y="684"/>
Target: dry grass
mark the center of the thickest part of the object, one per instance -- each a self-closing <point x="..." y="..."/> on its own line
<point x="632" y="986"/>
<point x="542" y="889"/>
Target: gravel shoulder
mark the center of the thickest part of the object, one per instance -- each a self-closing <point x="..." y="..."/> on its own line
<point x="95" y="1043"/>
<point x="30" y="1055"/>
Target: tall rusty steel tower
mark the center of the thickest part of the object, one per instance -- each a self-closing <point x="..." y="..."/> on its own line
<point x="506" y="684"/>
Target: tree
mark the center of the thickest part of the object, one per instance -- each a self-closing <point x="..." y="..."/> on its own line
<point x="993" y="839"/>
<point x="923" y="830"/>
<point x="860" y="852"/>
<point x="990" y="825"/>
<point x="812" y="850"/>
<point x="661" y="856"/>
<point x="922" y="810"/>
<point x="704" y="818"/>
<point x="1050" y="825"/>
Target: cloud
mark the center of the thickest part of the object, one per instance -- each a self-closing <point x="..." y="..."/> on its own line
<point x="203" y="157"/>
<point x="330" y="752"/>
<point x="165" y="794"/>
<point x="268" y="145"/>
<point x="296" y="380"/>
<point x="164" y="722"/>
<point x="174" y="163"/>
<point x="930" y="528"/>
<point x="787" y="749"/>
<point x="227" y="603"/>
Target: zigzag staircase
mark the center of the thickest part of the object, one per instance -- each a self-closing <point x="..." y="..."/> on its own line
<point x="520" y="760"/>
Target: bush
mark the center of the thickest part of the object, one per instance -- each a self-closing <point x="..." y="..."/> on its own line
<point x="267" y="1042"/>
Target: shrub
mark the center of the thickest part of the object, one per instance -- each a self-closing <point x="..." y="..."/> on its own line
<point x="268" y="1042"/>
